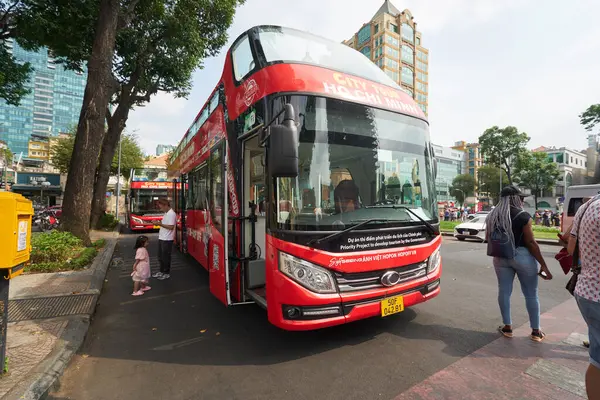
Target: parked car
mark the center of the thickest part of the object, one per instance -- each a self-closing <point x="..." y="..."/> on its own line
<point x="473" y="229"/>
<point x="477" y="214"/>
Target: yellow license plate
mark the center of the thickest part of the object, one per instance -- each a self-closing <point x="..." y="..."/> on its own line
<point x="392" y="305"/>
<point x="156" y="227"/>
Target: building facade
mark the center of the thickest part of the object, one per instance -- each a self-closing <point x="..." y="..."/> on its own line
<point x="573" y="168"/>
<point x="473" y="157"/>
<point x="450" y="164"/>
<point x="52" y="106"/>
<point x="164" y="149"/>
<point x="391" y="40"/>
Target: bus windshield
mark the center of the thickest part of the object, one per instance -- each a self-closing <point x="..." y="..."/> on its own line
<point x="145" y="201"/>
<point x="357" y="163"/>
<point x="289" y="45"/>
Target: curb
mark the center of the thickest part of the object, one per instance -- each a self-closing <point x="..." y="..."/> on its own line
<point x="549" y="242"/>
<point x="47" y="374"/>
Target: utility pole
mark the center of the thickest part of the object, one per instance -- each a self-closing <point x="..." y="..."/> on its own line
<point x="118" y="181"/>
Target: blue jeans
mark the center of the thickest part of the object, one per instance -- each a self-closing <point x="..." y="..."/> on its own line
<point x="590" y="310"/>
<point x="525" y="267"/>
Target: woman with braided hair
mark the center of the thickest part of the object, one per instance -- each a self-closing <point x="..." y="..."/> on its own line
<point x="508" y="216"/>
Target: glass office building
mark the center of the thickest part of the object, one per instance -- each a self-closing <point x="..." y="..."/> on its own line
<point x="52" y="106"/>
<point x="451" y="163"/>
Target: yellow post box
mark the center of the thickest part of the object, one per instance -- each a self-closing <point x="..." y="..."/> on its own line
<point x="15" y="233"/>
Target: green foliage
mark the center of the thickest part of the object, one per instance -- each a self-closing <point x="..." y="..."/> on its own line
<point x="462" y="187"/>
<point x="61" y="152"/>
<point x="489" y="181"/>
<point x="131" y="155"/>
<point x="7" y="156"/>
<point x="60" y="251"/>
<point x="5" y="370"/>
<point x="501" y="147"/>
<point x="536" y="172"/>
<point x="590" y="117"/>
<point x="108" y="221"/>
<point x="13" y="75"/>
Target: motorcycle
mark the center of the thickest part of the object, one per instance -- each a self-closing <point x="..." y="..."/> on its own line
<point x="46" y="221"/>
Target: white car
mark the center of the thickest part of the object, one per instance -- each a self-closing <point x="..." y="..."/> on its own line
<point x="473" y="229"/>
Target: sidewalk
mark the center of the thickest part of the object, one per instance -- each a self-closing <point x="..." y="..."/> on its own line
<point x="518" y="368"/>
<point x="49" y="315"/>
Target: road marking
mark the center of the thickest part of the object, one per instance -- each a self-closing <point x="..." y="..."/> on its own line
<point x="162" y="296"/>
<point x="177" y="345"/>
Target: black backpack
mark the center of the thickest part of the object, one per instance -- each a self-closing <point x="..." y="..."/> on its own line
<point x="499" y="243"/>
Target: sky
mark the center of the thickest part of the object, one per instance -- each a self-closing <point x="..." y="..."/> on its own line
<point x="533" y="64"/>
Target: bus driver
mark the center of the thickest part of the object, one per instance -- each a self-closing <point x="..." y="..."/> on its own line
<point x="346" y="197"/>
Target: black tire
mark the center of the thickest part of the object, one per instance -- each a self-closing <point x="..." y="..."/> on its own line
<point x="461" y="239"/>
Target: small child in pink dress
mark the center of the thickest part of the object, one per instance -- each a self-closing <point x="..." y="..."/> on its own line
<point x="141" y="267"/>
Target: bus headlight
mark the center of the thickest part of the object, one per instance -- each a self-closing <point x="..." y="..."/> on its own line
<point x="137" y="220"/>
<point x="434" y="261"/>
<point x="307" y="274"/>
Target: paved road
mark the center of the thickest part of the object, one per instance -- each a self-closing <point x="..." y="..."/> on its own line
<point x="178" y="342"/>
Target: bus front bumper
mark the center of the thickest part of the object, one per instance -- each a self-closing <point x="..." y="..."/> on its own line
<point x="299" y="318"/>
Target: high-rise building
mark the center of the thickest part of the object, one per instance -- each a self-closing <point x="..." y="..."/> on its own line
<point x="391" y="40"/>
<point x="52" y="106"/>
<point x="473" y="157"/>
<point x="451" y="163"/>
<point x="163" y="149"/>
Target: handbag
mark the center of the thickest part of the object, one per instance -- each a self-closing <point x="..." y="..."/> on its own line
<point x="565" y="260"/>
<point x="575" y="265"/>
<point x="499" y="243"/>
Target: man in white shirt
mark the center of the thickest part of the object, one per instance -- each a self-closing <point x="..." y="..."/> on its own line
<point x="166" y="235"/>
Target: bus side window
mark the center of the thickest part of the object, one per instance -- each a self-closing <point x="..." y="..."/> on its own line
<point x="217" y="212"/>
<point x="202" y="191"/>
<point x="574" y="205"/>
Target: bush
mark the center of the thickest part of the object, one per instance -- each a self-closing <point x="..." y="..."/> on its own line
<point x="60" y="251"/>
<point x="108" y="221"/>
<point x="54" y="246"/>
<point x="448" y="225"/>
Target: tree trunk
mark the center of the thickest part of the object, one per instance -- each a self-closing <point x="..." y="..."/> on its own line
<point x="109" y="148"/>
<point x="90" y="130"/>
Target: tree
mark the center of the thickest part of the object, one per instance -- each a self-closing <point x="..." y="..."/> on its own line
<point x="501" y="147"/>
<point x="462" y="186"/>
<point x="13" y="75"/>
<point x="537" y="173"/>
<point x="590" y="117"/>
<point x="7" y="156"/>
<point x="131" y="155"/>
<point x="489" y="181"/>
<point x="159" y="51"/>
<point x="151" y="37"/>
<point x="393" y="187"/>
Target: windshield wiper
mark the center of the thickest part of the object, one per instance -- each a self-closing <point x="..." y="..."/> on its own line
<point x="408" y="209"/>
<point x="340" y="233"/>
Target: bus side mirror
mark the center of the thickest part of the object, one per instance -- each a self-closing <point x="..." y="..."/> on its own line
<point x="283" y="146"/>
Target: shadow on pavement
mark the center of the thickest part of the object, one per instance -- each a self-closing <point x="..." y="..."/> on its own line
<point x="179" y="321"/>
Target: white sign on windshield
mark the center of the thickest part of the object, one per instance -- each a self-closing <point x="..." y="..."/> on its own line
<point x="384" y="155"/>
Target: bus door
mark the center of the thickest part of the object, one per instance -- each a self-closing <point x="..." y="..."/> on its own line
<point x="217" y="244"/>
<point x="179" y="186"/>
<point x="254" y="225"/>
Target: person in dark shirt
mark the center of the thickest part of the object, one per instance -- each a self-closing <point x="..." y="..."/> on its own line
<point x="509" y="216"/>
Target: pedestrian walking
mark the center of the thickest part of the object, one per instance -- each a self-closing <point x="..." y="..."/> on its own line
<point x="141" y="267"/>
<point x="515" y="251"/>
<point x="166" y="236"/>
<point x="585" y="238"/>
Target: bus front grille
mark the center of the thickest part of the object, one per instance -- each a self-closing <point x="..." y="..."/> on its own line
<point x="350" y="282"/>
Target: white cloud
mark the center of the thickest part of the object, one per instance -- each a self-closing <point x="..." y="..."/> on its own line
<point x="511" y="62"/>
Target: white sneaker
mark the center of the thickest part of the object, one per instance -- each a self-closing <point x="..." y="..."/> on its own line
<point x="157" y="275"/>
<point x="162" y="277"/>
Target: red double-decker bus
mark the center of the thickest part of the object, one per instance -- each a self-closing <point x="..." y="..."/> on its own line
<point x="306" y="185"/>
<point x="146" y="186"/>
